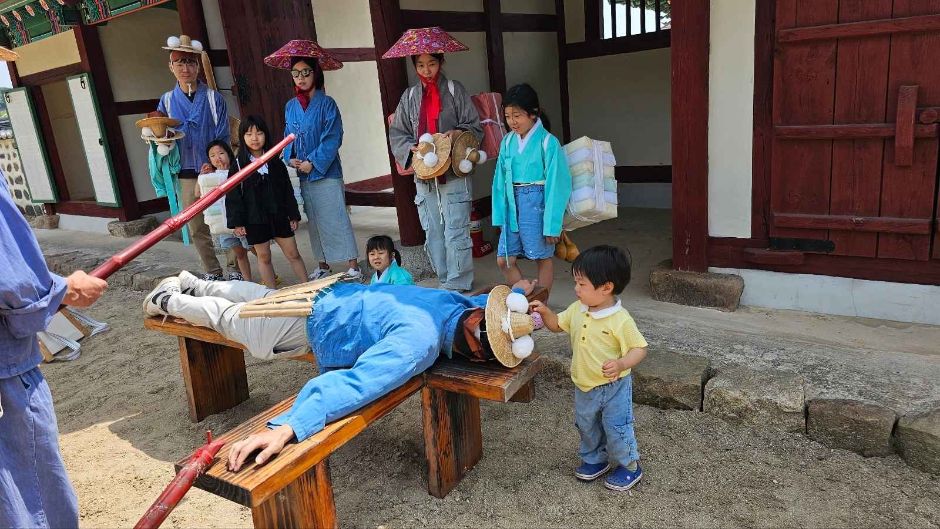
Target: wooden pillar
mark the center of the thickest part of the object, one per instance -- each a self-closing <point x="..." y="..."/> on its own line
<point x="214" y="376"/>
<point x="393" y="80"/>
<point x="306" y="502"/>
<point x="563" y="70"/>
<point x="495" y="58"/>
<point x="193" y="20"/>
<point x="690" y="39"/>
<point x="92" y="61"/>
<point x="453" y="437"/>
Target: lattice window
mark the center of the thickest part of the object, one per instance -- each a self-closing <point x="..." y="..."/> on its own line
<point x="612" y="19"/>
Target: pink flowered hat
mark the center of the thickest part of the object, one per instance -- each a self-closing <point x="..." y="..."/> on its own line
<point x="424" y="40"/>
<point x="302" y="48"/>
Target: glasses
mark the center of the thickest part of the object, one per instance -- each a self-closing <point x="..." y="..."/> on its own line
<point x="297" y="74"/>
<point x="184" y="63"/>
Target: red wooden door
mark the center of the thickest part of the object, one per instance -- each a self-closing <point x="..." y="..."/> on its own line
<point x="253" y="30"/>
<point x="855" y="136"/>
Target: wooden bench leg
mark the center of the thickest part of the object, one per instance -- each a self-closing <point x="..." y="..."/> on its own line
<point x="214" y="376"/>
<point x="307" y="502"/>
<point x="453" y="439"/>
<point x="524" y="394"/>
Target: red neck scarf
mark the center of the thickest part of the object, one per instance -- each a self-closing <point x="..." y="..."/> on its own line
<point x="303" y="96"/>
<point x="430" y="103"/>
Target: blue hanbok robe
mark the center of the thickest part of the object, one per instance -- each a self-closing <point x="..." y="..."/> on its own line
<point x="319" y="134"/>
<point x="197" y="121"/>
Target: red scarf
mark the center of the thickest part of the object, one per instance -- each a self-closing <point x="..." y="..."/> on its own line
<point x="430" y="104"/>
<point x="303" y="96"/>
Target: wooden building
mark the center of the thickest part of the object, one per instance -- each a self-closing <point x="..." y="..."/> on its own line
<point x="794" y="140"/>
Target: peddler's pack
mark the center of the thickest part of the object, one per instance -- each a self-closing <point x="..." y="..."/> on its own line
<point x="215" y="214"/>
<point x="593" y="183"/>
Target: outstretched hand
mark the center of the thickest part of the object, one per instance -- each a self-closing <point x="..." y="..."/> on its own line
<point x="82" y="290"/>
<point x="270" y="443"/>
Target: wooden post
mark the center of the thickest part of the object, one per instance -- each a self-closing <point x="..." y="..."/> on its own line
<point x="495" y="58"/>
<point x="214" y="376"/>
<point x="386" y="28"/>
<point x="193" y="20"/>
<point x="305" y="502"/>
<point x="453" y="438"/>
<point x="526" y="393"/>
<point x="690" y="26"/>
<point x="563" y="70"/>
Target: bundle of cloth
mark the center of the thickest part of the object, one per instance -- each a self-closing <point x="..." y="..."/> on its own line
<point x="593" y="184"/>
<point x="214" y="215"/>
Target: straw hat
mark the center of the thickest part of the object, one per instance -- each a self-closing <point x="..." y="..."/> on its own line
<point x="158" y="123"/>
<point x="433" y="157"/>
<point x="183" y="43"/>
<point x="302" y="48"/>
<point x="424" y="40"/>
<point x="508" y="327"/>
<point x="465" y="153"/>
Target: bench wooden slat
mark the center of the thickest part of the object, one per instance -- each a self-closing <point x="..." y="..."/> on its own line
<point x="188" y="330"/>
<point x="253" y="484"/>
<point x="490" y="381"/>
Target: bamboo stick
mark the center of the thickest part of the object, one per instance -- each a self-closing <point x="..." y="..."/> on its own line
<point x="287" y="313"/>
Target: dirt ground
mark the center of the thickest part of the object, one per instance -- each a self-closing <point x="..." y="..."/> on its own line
<point x="123" y="421"/>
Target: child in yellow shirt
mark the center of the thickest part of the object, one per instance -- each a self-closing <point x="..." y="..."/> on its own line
<point x="605" y="346"/>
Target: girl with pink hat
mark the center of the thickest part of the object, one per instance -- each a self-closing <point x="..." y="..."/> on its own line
<point x="436" y="104"/>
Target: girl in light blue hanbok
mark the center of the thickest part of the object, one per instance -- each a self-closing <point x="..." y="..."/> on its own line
<point x="385" y="259"/>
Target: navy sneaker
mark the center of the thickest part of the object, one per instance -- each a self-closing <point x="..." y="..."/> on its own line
<point x="622" y="478"/>
<point x="155" y="302"/>
<point x="591" y="471"/>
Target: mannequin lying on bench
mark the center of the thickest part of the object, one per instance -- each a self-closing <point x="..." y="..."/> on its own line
<point x="368" y="340"/>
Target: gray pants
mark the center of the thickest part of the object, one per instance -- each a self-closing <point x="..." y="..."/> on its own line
<point x="215" y="304"/>
<point x="444" y="210"/>
<point x="331" y="233"/>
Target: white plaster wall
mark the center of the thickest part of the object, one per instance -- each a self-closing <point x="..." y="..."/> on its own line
<point x="442" y="5"/>
<point x="210" y="9"/>
<point x="51" y="52"/>
<point x="574" y="20"/>
<point x="624" y="99"/>
<point x="532" y="58"/>
<point x="343" y="24"/>
<point x="839" y="295"/>
<point x="139" y="71"/>
<point x="136" y="151"/>
<point x="730" y="117"/>
<point x="544" y="7"/>
<point x="355" y="88"/>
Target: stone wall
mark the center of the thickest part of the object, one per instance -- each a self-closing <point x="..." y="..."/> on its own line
<point x="10" y="164"/>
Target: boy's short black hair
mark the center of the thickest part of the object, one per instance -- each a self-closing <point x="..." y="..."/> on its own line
<point x="603" y="263"/>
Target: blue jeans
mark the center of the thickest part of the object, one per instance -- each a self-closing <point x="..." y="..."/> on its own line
<point x="530" y="240"/>
<point x="444" y="210"/>
<point x="604" y="417"/>
<point x="331" y="232"/>
<point x="34" y="488"/>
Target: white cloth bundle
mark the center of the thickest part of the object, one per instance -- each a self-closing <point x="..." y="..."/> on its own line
<point x="593" y="183"/>
<point x="215" y="214"/>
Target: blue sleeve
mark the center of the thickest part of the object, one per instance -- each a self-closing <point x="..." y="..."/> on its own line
<point x="557" y="188"/>
<point x="331" y="137"/>
<point x="160" y="106"/>
<point x="222" y="130"/>
<point x="30" y="294"/>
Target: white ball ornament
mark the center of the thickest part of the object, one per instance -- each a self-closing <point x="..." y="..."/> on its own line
<point x="426" y="138"/>
<point x="465" y="166"/>
<point x="147" y="131"/>
<point x="173" y="42"/>
<point x="163" y="149"/>
<point x="523" y="346"/>
<point x="483" y="157"/>
<point x="517" y="303"/>
<point x="430" y="159"/>
<point x="196" y="45"/>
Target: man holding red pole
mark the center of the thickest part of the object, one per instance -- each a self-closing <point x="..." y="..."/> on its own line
<point x="34" y="488"/>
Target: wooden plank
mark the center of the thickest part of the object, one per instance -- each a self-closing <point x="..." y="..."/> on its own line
<point x="868" y="28"/>
<point x="928" y="115"/>
<point x="378" y="183"/>
<point x="489" y="381"/>
<point x="904" y="126"/>
<point x="51" y="75"/>
<point x="762" y="148"/>
<point x="354" y="54"/>
<point x="777" y="257"/>
<point x="526" y="393"/>
<point x="861" y="89"/>
<point x="690" y="20"/>
<point x="367" y="198"/>
<point x="854" y="223"/>
<point x="530" y="22"/>
<point x="909" y="192"/>
<point x="619" y="45"/>
<point x="253" y="485"/>
<point x="214" y="376"/>
<point x="643" y="174"/>
<point x="495" y="56"/>
<point x="305" y="502"/>
<point x="563" y="71"/>
<point x="185" y="329"/>
<point x="453" y="437"/>
<point x="140" y="106"/>
<point x="848" y="132"/>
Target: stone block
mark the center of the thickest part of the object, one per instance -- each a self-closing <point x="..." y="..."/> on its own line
<point x="720" y="291"/>
<point x="44" y="222"/>
<point x="918" y="440"/>
<point x="670" y="380"/>
<point x="132" y="228"/>
<point x="861" y="427"/>
<point x="760" y="398"/>
<point x="415" y="260"/>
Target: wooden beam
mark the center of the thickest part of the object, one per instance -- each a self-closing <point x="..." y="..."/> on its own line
<point x="762" y="149"/>
<point x="92" y="55"/>
<point x="140" y="106"/>
<point x="193" y="21"/>
<point x="370" y="198"/>
<point x="848" y="132"/>
<point x="853" y="223"/>
<point x="386" y="18"/>
<point x="690" y="20"/>
<point x="643" y="174"/>
<point x="87" y="209"/>
<point x="379" y="183"/>
<point x="495" y="56"/>
<point x="592" y="20"/>
<point x="464" y="21"/>
<point x="52" y="75"/>
<point x="530" y="22"/>
<point x="14" y="74"/>
<point x="218" y="58"/>
<point x="354" y="54"/>
<point x="563" y="71"/>
<point x="631" y="44"/>
<point x="154" y="205"/>
<point x="869" y="28"/>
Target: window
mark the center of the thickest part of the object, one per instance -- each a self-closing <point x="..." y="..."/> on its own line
<point x="610" y="19"/>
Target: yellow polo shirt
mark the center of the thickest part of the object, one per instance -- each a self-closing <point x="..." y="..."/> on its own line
<point x="597" y="337"/>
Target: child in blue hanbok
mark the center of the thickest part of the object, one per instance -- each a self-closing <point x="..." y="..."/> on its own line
<point x="386" y="261"/>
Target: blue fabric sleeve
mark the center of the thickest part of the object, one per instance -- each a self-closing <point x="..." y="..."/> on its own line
<point x="498" y="210"/>
<point x="331" y="137"/>
<point x="557" y="188"/>
<point x="222" y="131"/>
